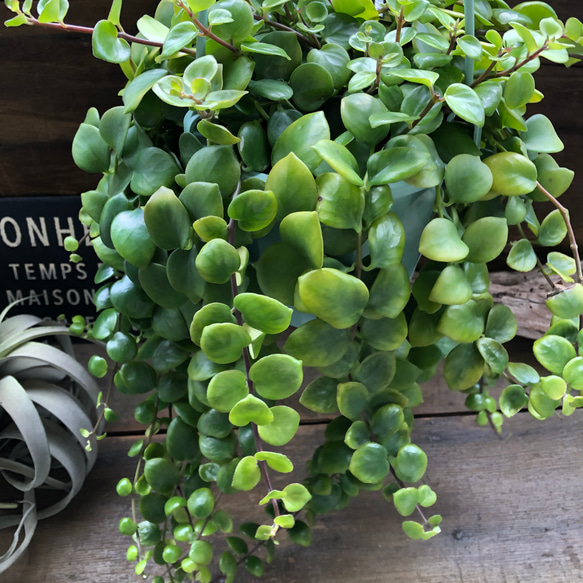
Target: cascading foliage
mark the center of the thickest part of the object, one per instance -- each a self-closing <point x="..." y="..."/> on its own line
<point x="247" y="182"/>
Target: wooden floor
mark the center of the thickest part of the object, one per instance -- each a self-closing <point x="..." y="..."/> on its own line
<point x="511" y="508"/>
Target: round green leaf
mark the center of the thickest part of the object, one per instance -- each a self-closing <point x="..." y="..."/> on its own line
<point x="573" y="373"/>
<point x="226" y="389"/>
<point x="552" y="230"/>
<point x="410" y="463"/>
<point x="131" y="239"/>
<point x="463" y="367"/>
<point x="107" y="46"/>
<point x="494" y="354"/>
<point x="405" y="501"/>
<point x="519" y="89"/>
<point x="320" y="396"/>
<point x="253" y="209"/>
<point x="501" y="324"/>
<point x="553" y="352"/>
<point x="90" y="152"/>
<point x="153" y="168"/>
<point x="284" y="426"/>
<point x="278" y="270"/>
<point x="385" y="333"/>
<point x="356" y="110"/>
<point x="486" y="239"/>
<point x="340" y="202"/>
<point x="223" y="343"/>
<point x="340" y="159"/>
<point x="250" y="409"/>
<point x="465" y="103"/>
<point x="299" y="137"/>
<point x="386" y="240"/>
<point x="395" y="164"/>
<point x="513" y="174"/>
<point x="293" y="185"/>
<point x="522" y="256"/>
<point x="567" y="303"/>
<point x="333" y="296"/>
<point x="390" y="291"/>
<point x="463" y="323"/>
<point x="162" y="474"/>
<point x="440" y="242"/>
<point x="263" y="313"/>
<point x="512" y="400"/>
<point x="352" y="398"/>
<point x="555" y="387"/>
<point x="302" y="230"/>
<point x="451" y="287"/>
<point x="296" y="497"/>
<point x="540" y="135"/>
<point x="217" y="261"/>
<point x="215" y="164"/>
<point x="467" y="178"/>
<point x="247" y="474"/>
<point x="312" y="85"/>
<point x="276" y="461"/>
<point x="369" y="463"/>
<point x="276" y="376"/>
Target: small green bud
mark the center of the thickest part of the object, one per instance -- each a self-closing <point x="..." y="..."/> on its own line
<point x="132" y="553"/>
<point x="97" y="366"/>
<point x="124" y="487"/>
<point x="71" y="244"/>
<point x="127" y="526"/>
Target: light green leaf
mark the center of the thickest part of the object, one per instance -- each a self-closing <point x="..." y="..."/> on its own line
<point x="465" y="103"/>
<point x="250" y="409"/>
<point x="276" y="461"/>
<point x="370" y="465"/>
<point x="440" y="242"/>
<point x="296" y="497"/>
<point x="282" y="429"/>
<point x="333" y="296"/>
<point x="410" y="463"/>
<point x="264" y="49"/>
<point x="107" y="46"/>
<point x="276" y="376"/>
<point x="247" y="474"/>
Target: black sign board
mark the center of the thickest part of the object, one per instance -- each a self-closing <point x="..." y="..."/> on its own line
<point x="34" y="265"/>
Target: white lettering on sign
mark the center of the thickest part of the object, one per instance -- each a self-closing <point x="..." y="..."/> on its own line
<point x="10" y="237"/>
<point x="35" y="231"/>
<point x="48" y="271"/>
<point x="56" y="297"/>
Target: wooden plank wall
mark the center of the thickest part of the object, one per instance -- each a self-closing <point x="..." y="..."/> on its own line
<point x="49" y="80"/>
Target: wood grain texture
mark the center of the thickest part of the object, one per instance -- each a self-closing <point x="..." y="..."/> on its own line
<point x="56" y="80"/>
<point x="511" y="514"/>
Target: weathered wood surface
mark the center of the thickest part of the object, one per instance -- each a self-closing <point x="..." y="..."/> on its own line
<point x="511" y="514"/>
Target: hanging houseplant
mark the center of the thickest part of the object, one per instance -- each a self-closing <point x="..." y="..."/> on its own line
<point x="250" y="175"/>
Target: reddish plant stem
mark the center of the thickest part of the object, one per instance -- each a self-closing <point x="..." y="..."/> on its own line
<point x="204" y="30"/>
<point x="89" y="30"/>
<point x="247" y="361"/>
<point x="417" y="507"/>
<point x="313" y="42"/>
<point x="400" y="21"/>
<point x="571" y="233"/>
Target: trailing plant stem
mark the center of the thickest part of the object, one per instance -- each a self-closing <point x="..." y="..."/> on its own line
<point x="234" y="289"/>
<point x="571" y="233"/>
<point x="417" y="507"/>
<point x="313" y="41"/>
